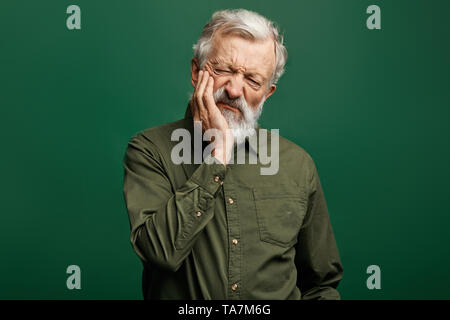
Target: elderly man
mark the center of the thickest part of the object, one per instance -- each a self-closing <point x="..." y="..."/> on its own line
<point x="220" y="229"/>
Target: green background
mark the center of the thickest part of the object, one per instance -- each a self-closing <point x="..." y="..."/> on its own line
<point x="370" y="106"/>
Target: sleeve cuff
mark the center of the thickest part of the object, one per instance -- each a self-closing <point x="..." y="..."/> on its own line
<point x="210" y="174"/>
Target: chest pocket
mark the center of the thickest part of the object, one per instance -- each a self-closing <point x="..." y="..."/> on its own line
<point x="280" y="211"/>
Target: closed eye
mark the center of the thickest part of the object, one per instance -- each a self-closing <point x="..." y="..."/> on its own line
<point x="218" y="71"/>
<point x="254" y="82"/>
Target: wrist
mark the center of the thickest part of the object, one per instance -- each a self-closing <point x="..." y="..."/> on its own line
<point x="220" y="156"/>
<point x="223" y="147"/>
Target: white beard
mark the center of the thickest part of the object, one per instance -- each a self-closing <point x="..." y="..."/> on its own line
<point x="244" y="127"/>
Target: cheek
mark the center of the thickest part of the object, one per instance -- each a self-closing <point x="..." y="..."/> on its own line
<point x="218" y="82"/>
<point x="253" y="99"/>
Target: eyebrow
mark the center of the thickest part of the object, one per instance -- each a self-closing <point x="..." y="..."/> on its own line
<point x="249" y="74"/>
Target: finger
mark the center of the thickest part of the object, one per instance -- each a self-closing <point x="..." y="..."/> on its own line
<point x="199" y="79"/>
<point x="197" y="85"/>
<point x="200" y="91"/>
<point x="194" y="111"/>
<point x="208" y="96"/>
<point x="195" y="107"/>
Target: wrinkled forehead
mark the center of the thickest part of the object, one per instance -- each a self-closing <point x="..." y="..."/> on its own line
<point x="247" y="55"/>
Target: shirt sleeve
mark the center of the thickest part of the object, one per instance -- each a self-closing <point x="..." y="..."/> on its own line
<point x="165" y="222"/>
<point x="317" y="257"/>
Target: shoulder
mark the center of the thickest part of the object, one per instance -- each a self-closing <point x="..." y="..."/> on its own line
<point x="154" y="143"/>
<point x="288" y="148"/>
<point x="158" y="136"/>
<point x="295" y="163"/>
<point x="161" y="132"/>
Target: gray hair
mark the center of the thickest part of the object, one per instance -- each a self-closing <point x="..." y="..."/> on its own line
<point x="247" y="24"/>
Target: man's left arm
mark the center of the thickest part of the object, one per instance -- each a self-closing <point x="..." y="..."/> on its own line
<point x="317" y="257"/>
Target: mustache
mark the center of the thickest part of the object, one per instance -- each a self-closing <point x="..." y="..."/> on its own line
<point x="220" y="96"/>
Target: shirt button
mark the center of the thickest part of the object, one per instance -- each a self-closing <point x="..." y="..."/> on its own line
<point x="235" y="241"/>
<point x="234" y="287"/>
<point x="198" y="214"/>
<point x="230" y="201"/>
<point x="216" y="179"/>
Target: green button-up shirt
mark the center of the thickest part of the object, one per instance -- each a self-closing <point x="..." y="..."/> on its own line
<point x="209" y="231"/>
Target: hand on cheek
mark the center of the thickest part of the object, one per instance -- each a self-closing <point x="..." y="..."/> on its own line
<point x="206" y="111"/>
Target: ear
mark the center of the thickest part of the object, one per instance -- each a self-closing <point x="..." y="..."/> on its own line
<point x="270" y="91"/>
<point x="195" y="68"/>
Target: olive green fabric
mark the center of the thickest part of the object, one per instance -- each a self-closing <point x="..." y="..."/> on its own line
<point x="209" y="231"/>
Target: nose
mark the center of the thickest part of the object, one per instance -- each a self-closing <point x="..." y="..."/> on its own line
<point x="234" y="87"/>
